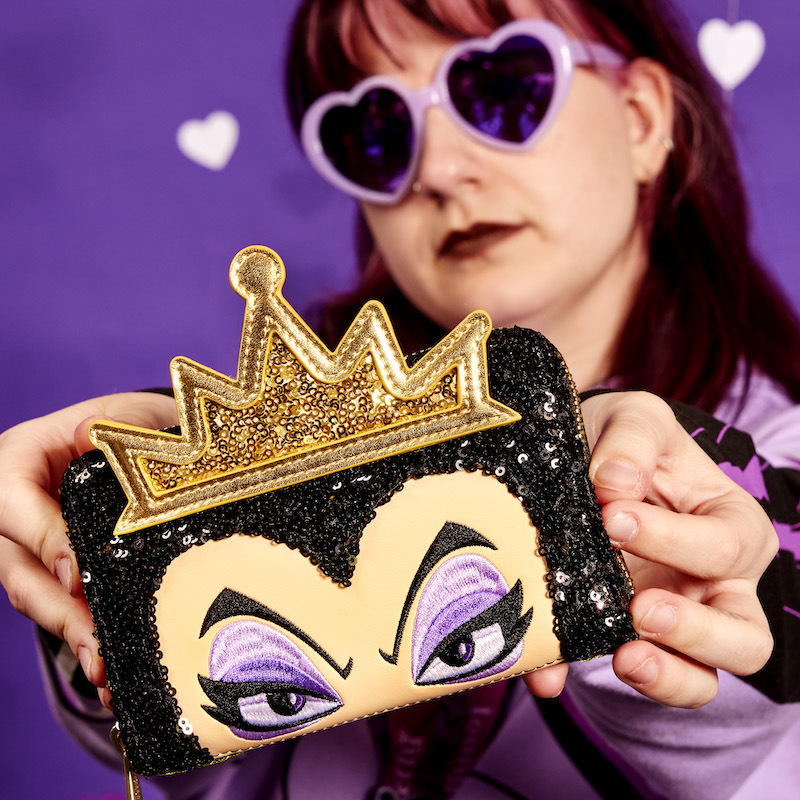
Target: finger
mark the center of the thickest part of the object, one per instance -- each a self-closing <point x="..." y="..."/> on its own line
<point x="731" y="537"/>
<point x="31" y="519"/>
<point x="104" y="693"/>
<point x="642" y="452"/>
<point x="730" y="632"/>
<point x="665" y="677"/>
<point x="547" y="682"/>
<point x="39" y="450"/>
<point x="33" y="457"/>
<point x="628" y="435"/>
<point x="142" y="409"/>
<point x="34" y="592"/>
<point x="150" y="410"/>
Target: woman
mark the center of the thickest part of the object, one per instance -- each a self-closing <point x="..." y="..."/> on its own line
<point x="611" y="234"/>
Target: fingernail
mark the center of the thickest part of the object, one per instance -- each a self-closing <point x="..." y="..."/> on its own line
<point x="620" y="475"/>
<point x="621" y="528"/>
<point x="645" y="673"/>
<point x="659" y="619"/>
<point x="85" y="657"/>
<point x="64" y="573"/>
<point x="105" y="697"/>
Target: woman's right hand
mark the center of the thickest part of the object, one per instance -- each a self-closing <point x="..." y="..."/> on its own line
<point x="37" y="565"/>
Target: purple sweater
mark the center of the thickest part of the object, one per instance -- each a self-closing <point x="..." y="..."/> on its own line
<point x="744" y="744"/>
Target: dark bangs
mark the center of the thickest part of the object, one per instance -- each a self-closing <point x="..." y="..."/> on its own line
<point x="323" y="55"/>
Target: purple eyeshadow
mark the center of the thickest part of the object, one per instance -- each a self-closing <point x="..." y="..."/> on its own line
<point x="460" y="589"/>
<point x="248" y="651"/>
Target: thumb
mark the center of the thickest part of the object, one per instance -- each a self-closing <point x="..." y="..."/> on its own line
<point x="140" y="409"/>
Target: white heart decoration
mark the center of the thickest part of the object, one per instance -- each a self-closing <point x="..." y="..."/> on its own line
<point x="731" y="52"/>
<point x="209" y="142"/>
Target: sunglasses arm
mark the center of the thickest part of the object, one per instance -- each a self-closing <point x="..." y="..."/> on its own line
<point x="595" y="54"/>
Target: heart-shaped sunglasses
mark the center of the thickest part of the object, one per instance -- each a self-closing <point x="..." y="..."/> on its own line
<point x="504" y="90"/>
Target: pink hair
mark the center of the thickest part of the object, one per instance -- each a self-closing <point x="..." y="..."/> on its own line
<point x="706" y="306"/>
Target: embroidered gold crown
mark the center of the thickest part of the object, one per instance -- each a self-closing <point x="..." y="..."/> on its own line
<point x="296" y="410"/>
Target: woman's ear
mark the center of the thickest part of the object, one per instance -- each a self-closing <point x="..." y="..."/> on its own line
<point x="648" y="93"/>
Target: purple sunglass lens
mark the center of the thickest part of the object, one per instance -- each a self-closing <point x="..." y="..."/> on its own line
<point x="504" y="94"/>
<point x="370" y="143"/>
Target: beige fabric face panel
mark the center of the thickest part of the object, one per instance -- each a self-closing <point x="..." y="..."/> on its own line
<point x="358" y="622"/>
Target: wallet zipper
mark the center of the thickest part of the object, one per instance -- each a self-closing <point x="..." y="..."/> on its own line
<point x="133" y="790"/>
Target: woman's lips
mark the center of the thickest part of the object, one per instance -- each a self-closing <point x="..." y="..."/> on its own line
<point x="476" y="239"/>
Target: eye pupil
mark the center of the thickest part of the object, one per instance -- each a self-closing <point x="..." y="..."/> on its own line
<point x="286" y="703"/>
<point x="459" y="653"/>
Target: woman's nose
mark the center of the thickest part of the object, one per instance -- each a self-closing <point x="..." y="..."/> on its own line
<point x="450" y="160"/>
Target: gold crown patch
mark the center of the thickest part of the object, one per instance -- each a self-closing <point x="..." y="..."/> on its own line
<point x="296" y="410"/>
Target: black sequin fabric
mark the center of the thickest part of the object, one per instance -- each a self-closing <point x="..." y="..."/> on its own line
<point x="542" y="459"/>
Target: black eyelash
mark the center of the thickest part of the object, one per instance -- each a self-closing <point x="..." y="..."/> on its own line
<point x="226" y="695"/>
<point x="506" y="613"/>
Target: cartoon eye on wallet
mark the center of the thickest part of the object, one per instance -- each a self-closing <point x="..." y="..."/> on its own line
<point x="334" y="534"/>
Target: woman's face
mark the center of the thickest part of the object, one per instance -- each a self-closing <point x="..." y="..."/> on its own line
<point x="546" y="239"/>
<point x="449" y="590"/>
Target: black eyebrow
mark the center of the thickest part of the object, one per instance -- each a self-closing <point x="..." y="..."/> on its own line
<point x="229" y="603"/>
<point x="452" y="536"/>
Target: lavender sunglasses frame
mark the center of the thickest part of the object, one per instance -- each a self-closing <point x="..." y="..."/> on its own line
<point x="566" y="54"/>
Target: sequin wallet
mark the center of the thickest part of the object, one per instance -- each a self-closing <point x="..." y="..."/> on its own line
<point x="335" y="534"/>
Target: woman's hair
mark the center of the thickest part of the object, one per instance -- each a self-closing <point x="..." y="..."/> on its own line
<point x="706" y="305"/>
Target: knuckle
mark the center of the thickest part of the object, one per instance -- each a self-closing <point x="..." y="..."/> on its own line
<point x="5" y="501"/>
<point x="729" y="556"/>
<point x="69" y="631"/>
<point x="651" y="410"/>
<point x="673" y="691"/>
<point x="760" y="535"/>
<point x="693" y="638"/>
<point x="47" y="542"/>
<point x="704" y="697"/>
<point x="696" y="685"/>
<point x="764" y="652"/>
<point x="36" y="545"/>
<point x="757" y="653"/>
<point x="689" y="690"/>
<point x="771" y="544"/>
<point x="646" y="411"/>
<point x="642" y="415"/>
<point x="17" y="588"/>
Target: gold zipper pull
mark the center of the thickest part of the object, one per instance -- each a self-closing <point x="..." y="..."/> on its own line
<point x="132" y="789"/>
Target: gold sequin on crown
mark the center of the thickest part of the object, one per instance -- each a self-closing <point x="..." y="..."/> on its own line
<point x="298" y="413"/>
<point x="296" y="410"/>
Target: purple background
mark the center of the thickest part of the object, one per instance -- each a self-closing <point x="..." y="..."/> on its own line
<point x="116" y="246"/>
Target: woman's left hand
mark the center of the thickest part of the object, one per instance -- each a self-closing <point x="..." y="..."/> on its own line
<point x="696" y="545"/>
